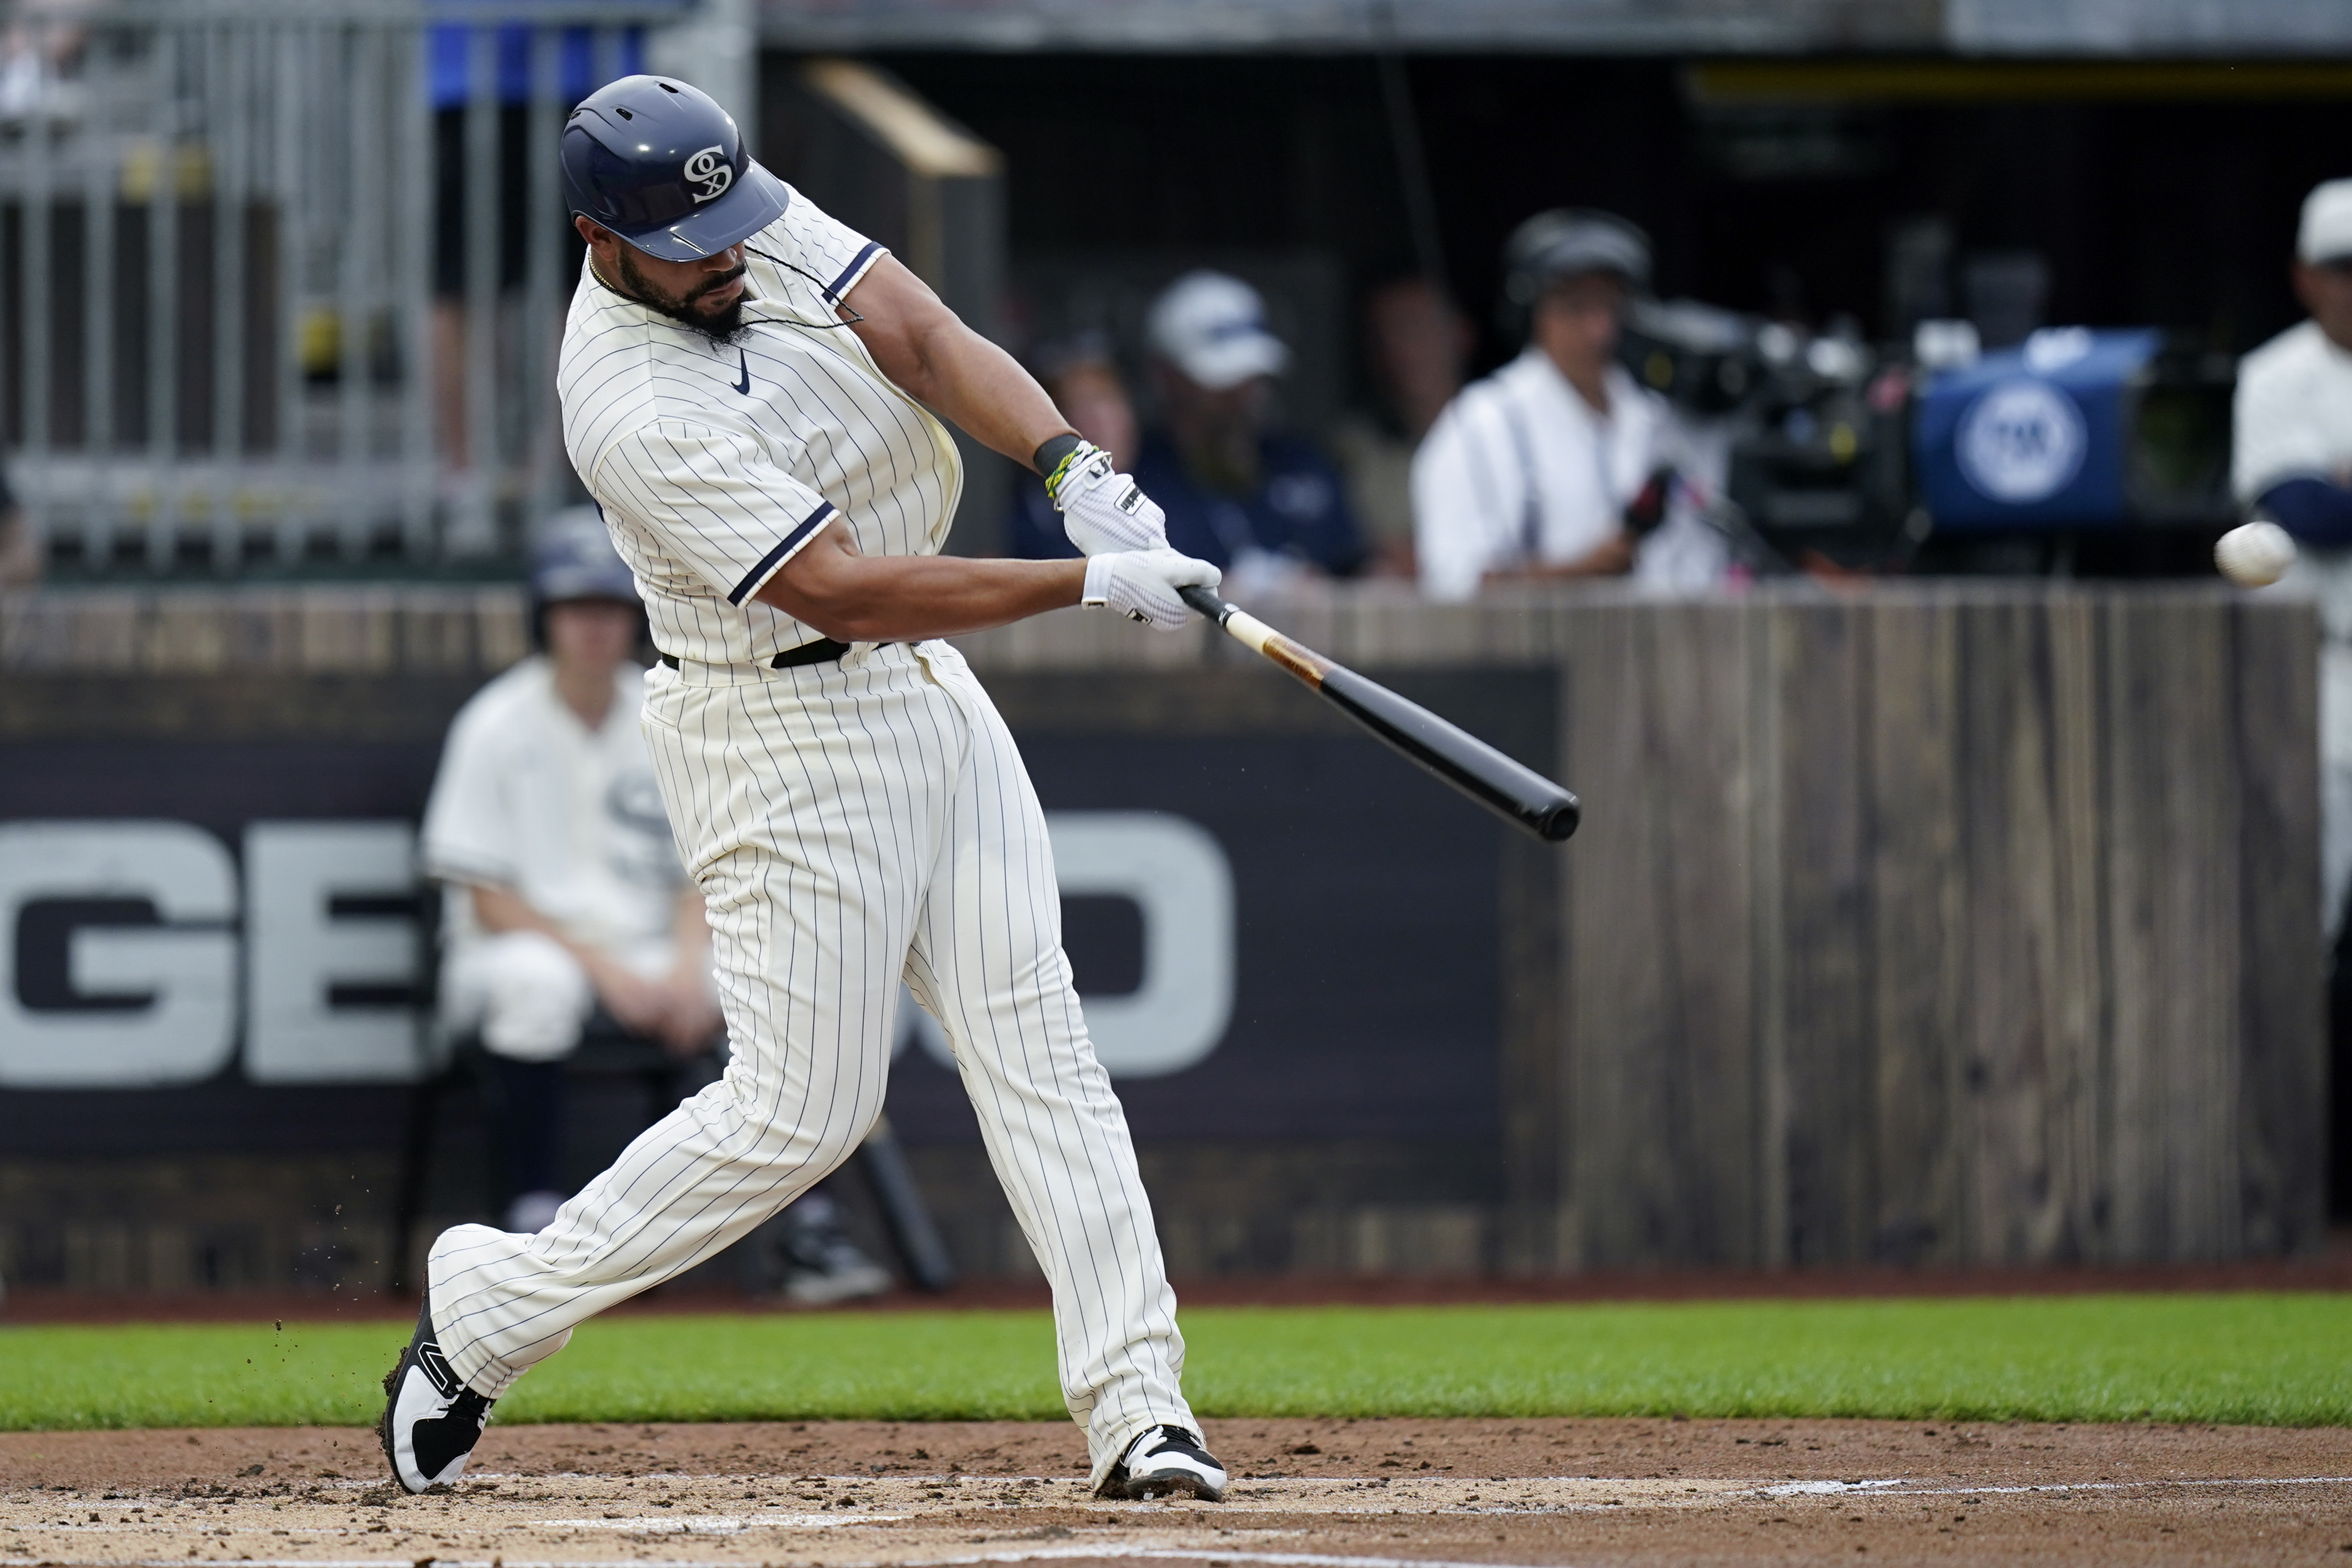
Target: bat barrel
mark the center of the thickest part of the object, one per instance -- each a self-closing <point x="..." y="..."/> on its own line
<point x="1501" y="784"/>
<point x="1507" y="787"/>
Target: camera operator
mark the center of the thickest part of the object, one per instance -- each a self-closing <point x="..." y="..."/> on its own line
<point x="1559" y="465"/>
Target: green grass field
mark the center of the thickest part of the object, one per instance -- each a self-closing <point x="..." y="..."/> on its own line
<point x="2272" y="1360"/>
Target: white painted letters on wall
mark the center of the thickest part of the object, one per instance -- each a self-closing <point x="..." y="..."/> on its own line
<point x="298" y="950"/>
<point x="1176" y="873"/>
<point x="185" y="968"/>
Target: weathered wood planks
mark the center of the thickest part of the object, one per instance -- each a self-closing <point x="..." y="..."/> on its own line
<point x="1938" y="924"/>
<point x="1983" y="930"/>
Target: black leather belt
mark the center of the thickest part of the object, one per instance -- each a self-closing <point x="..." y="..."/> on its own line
<point x="825" y="651"/>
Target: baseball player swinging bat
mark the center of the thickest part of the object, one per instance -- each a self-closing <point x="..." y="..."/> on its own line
<point x="1515" y="793"/>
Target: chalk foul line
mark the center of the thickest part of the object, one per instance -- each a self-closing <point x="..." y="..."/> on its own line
<point x="1908" y="1488"/>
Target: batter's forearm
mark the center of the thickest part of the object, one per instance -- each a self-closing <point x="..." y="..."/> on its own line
<point x="906" y="598"/>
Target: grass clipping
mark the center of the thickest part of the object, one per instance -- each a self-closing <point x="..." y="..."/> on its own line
<point x="2280" y="1359"/>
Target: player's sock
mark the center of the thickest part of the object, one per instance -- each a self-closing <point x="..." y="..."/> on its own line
<point x="431" y="1419"/>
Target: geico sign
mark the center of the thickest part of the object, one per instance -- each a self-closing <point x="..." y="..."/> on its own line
<point x="1176" y="874"/>
<point x="173" y="986"/>
<point x="169" y="993"/>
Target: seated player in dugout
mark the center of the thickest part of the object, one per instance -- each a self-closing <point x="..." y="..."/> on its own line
<point x="1560" y="464"/>
<point x="1259" y="503"/>
<point x="754" y="394"/>
<point x="563" y="895"/>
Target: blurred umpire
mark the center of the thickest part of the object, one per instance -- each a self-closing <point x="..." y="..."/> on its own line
<point x="1559" y="465"/>
<point x="2292" y="461"/>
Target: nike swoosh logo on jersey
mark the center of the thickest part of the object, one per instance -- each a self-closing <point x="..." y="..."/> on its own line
<point x="745" y="385"/>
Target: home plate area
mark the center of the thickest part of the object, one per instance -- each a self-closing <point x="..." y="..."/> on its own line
<point x="1361" y="1494"/>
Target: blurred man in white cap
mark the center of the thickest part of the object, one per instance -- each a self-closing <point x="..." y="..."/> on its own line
<point x="2292" y="462"/>
<point x="1265" y="506"/>
<point x="1559" y="465"/>
<point x="2293" y="454"/>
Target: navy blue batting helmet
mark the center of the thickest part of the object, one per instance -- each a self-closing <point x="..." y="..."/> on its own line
<point x="662" y="165"/>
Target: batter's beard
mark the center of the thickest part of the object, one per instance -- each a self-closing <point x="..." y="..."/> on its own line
<point x="722" y="328"/>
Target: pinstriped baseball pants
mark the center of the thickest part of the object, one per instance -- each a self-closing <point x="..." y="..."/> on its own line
<point x="852" y="825"/>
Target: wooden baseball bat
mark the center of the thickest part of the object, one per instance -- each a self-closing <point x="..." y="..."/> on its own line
<point x="1514" y="792"/>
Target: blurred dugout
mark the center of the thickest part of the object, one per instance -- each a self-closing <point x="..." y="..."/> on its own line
<point x="234" y="237"/>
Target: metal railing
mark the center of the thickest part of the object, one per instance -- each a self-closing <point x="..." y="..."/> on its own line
<point x="265" y="301"/>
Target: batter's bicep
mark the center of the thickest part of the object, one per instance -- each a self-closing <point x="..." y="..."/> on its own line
<point x="895" y="315"/>
<point x="929" y="354"/>
<point x="713" y="500"/>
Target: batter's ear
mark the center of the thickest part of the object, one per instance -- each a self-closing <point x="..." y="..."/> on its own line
<point x="591" y="231"/>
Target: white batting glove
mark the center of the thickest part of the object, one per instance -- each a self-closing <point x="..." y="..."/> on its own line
<point x="1141" y="584"/>
<point x="1104" y="510"/>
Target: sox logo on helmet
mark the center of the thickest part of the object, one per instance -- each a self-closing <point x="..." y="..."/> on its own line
<point x="710" y="173"/>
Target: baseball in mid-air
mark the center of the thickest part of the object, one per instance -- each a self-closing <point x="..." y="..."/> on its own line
<point x="2254" y="554"/>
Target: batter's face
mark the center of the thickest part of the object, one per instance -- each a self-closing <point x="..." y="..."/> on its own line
<point x="707" y="294"/>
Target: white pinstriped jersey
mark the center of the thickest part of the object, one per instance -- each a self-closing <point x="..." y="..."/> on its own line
<point x="714" y="464"/>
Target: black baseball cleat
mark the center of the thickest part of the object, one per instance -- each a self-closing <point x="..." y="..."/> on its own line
<point x="431" y="1420"/>
<point x="1167" y="1461"/>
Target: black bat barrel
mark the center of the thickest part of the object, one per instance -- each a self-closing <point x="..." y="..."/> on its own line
<point x="1509" y="788"/>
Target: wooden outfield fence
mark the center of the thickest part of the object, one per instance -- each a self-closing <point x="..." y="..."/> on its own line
<point x="1940" y="924"/>
<point x="1937" y="926"/>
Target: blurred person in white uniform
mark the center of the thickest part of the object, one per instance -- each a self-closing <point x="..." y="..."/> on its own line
<point x="565" y="892"/>
<point x="2292" y="461"/>
<point x="1559" y="465"/>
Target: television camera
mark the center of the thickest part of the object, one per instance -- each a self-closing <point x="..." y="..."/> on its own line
<point x="2103" y="451"/>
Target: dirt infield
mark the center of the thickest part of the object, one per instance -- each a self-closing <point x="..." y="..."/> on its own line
<point x="1349" y="1494"/>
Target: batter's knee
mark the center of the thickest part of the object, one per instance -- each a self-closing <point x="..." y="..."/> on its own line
<point x="835" y="1144"/>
